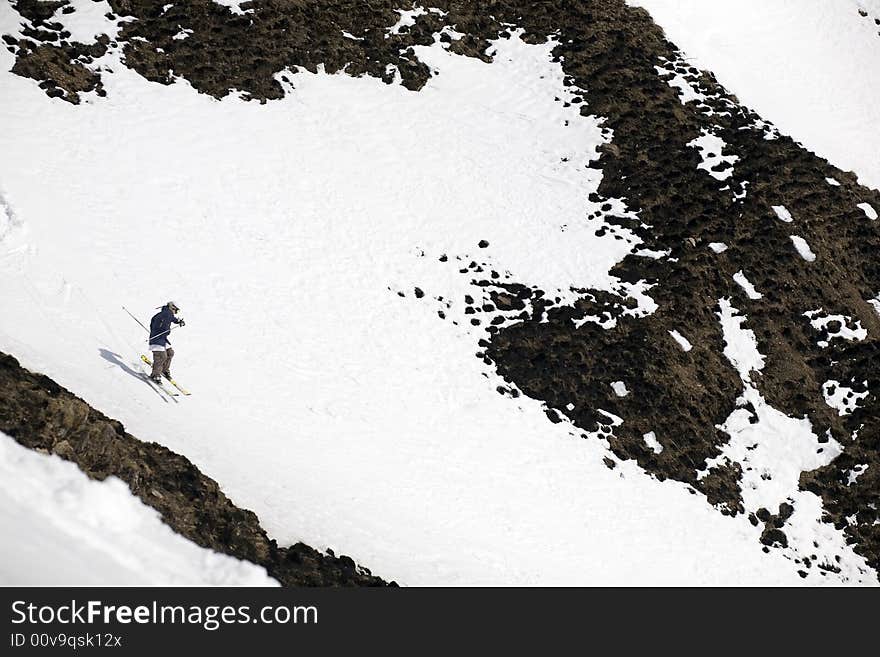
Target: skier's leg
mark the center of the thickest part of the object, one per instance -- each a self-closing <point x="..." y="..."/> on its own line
<point x="158" y="364"/>
<point x="169" y="354"/>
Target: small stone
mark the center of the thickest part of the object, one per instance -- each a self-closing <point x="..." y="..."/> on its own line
<point x="64" y="449"/>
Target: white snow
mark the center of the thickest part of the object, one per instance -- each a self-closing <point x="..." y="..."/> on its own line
<point x="854" y="474"/>
<point x="874" y="302"/>
<point x="718" y="247"/>
<point x="619" y="388"/>
<point x="783" y="213"/>
<point x="61" y="528"/>
<point x="451" y="32"/>
<point x="234" y="6"/>
<point x="345" y="415"/>
<point x="803" y="248"/>
<point x="773" y="450"/>
<point x="652" y="442"/>
<point x="869" y="211"/>
<point x="740" y="346"/>
<point x="808" y="66"/>
<point x="711" y="149"/>
<point x="88" y="21"/>
<point x="832" y="182"/>
<point x="850" y="329"/>
<point x="681" y="340"/>
<point x="651" y="253"/>
<point x="842" y="398"/>
<point x="746" y="285"/>
<point x="687" y="93"/>
<point x="407" y="18"/>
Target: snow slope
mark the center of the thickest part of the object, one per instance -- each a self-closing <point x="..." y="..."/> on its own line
<point x="344" y="414"/>
<point x="808" y="66"/>
<point x="61" y="528"/>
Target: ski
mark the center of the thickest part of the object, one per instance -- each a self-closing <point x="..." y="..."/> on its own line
<point x="158" y="387"/>
<point x="183" y="390"/>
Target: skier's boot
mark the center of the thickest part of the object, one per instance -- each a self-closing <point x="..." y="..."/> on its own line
<point x="167" y="375"/>
<point x="156" y="379"/>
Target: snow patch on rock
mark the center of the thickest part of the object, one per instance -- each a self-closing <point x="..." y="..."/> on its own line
<point x="651" y="441"/>
<point x="740" y="345"/>
<point x="803" y="248"/>
<point x="840" y="327"/>
<point x="773" y="450"/>
<point x="234" y="6"/>
<point x="747" y="286"/>
<point x="842" y="398"/>
<point x="783" y="213"/>
<point x="619" y="388"/>
<point x="681" y="340"/>
<point x="869" y="211"/>
<point x="715" y="163"/>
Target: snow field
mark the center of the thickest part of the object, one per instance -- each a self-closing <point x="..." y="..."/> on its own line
<point x="343" y="414"/>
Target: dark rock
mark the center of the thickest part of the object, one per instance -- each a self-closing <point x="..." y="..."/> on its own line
<point x="774" y="538"/>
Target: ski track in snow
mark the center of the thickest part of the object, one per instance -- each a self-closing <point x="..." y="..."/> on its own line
<point x="343" y="414"/>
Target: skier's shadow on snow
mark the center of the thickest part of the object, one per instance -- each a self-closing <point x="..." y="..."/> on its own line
<point x="109" y="356"/>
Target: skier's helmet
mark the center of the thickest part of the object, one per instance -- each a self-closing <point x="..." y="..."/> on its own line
<point x="173" y="307"/>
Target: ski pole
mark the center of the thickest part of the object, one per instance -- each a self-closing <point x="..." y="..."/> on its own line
<point x="145" y="328"/>
<point x="136" y="319"/>
<point x="163" y="332"/>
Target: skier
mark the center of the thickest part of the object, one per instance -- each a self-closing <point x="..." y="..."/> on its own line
<point x="160" y="326"/>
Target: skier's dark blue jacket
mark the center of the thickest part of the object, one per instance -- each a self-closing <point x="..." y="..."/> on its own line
<point x="161" y="324"/>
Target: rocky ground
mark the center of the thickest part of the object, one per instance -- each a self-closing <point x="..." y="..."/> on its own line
<point x="625" y="70"/>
